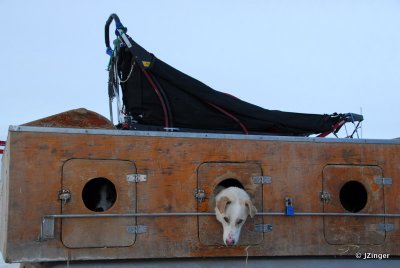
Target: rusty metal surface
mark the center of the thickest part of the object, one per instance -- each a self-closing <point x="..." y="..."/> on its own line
<point x="35" y="164"/>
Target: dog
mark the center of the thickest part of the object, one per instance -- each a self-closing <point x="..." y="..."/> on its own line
<point x="233" y="206"/>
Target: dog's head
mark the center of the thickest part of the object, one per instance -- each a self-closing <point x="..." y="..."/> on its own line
<point x="233" y="206"/>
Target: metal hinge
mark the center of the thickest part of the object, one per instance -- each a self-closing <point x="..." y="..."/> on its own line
<point x="136" y="177"/>
<point x="387" y="227"/>
<point x="383" y="181"/>
<point x="136" y="229"/>
<point x="325" y="196"/>
<point x="263" y="228"/>
<point x="200" y="195"/>
<point x="261" y="179"/>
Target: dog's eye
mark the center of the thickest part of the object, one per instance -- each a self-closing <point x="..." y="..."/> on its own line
<point x="239" y="221"/>
<point x="226" y="219"/>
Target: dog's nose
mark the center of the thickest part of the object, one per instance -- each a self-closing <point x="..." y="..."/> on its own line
<point x="230" y="242"/>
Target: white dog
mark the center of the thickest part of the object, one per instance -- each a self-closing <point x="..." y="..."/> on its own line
<point x="233" y="205"/>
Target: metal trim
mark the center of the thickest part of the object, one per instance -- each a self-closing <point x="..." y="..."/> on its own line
<point x="198" y="135"/>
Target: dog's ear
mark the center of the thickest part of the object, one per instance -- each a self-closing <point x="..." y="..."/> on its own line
<point x="252" y="209"/>
<point x="221" y="204"/>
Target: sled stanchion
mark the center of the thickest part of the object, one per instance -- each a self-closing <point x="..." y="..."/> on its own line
<point x="118" y="24"/>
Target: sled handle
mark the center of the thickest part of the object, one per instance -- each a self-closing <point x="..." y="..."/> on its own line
<point x="118" y="24"/>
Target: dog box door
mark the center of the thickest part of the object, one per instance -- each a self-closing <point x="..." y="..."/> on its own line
<point x="213" y="176"/>
<point x="96" y="187"/>
<point x="353" y="189"/>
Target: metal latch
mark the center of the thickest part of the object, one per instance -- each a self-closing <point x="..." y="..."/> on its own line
<point x="200" y="195"/>
<point x="383" y="181"/>
<point x="64" y="195"/>
<point x="136" y="177"/>
<point x="136" y="229"/>
<point x="261" y="179"/>
<point x="387" y="227"/>
<point x="325" y="197"/>
<point x="263" y="228"/>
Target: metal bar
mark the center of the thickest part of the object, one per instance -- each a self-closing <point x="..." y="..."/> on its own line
<point x="197" y="135"/>
<point x="166" y="214"/>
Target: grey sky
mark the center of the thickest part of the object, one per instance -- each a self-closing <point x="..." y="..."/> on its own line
<point x="299" y="56"/>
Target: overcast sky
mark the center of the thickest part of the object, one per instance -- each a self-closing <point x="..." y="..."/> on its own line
<point x="300" y="55"/>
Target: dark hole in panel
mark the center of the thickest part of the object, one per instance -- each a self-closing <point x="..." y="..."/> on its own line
<point x="353" y="196"/>
<point x="226" y="184"/>
<point x="99" y="194"/>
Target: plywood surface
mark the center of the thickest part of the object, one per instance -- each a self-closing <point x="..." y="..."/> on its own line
<point x="173" y="169"/>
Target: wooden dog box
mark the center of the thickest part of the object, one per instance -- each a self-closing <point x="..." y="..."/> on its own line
<point x="344" y="192"/>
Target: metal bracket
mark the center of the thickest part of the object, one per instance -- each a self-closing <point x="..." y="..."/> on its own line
<point x="47" y="229"/>
<point x="137" y="229"/>
<point x="383" y="181"/>
<point x="261" y="179"/>
<point x="136" y="177"/>
<point x="387" y="227"/>
<point x="263" y="228"/>
<point x="200" y="195"/>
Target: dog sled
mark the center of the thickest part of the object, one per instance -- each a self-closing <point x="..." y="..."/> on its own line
<point x="158" y="97"/>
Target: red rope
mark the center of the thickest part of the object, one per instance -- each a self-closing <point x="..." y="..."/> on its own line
<point x="153" y="85"/>
<point x="2" y="143"/>
<point x="230" y="116"/>
<point x="334" y="127"/>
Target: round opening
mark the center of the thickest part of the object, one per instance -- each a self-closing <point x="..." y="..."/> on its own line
<point x="227" y="183"/>
<point x="99" y="194"/>
<point x="353" y="196"/>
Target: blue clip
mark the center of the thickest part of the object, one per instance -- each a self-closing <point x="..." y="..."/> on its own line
<point x="289" y="209"/>
<point x="109" y="51"/>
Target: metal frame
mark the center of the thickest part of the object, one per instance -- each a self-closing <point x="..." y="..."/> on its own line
<point x="198" y="135"/>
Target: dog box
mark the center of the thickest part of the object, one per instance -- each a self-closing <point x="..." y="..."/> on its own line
<point x="96" y="194"/>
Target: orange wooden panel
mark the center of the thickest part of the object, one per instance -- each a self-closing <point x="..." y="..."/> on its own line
<point x="353" y="230"/>
<point x="98" y="232"/>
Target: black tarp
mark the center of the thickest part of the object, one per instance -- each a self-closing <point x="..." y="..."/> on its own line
<point x="194" y="105"/>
